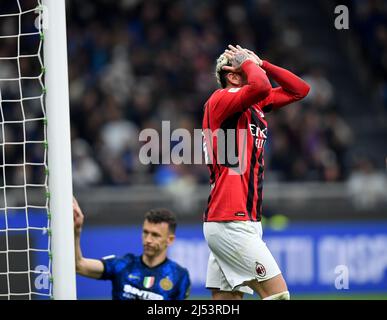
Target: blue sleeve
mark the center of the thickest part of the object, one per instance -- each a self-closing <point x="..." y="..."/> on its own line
<point x="184" y="286"/>
<point x="112" y="266"/>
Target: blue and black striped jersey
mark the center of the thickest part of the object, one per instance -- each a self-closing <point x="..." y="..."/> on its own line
<point x="133" y="280"/>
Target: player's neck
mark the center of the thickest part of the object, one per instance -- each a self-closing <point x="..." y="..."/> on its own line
<point x="152" y="262"/>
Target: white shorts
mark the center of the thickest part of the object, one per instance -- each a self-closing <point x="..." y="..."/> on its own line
<point x="238" y="254"/>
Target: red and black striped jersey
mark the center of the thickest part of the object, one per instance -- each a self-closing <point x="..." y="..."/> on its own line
<point x="235" y="131"/>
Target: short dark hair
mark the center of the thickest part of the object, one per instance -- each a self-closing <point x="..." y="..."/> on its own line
<point x="162" y="215"/>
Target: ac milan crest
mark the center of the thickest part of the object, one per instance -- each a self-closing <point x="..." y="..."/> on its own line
<point x="260" y="269"/>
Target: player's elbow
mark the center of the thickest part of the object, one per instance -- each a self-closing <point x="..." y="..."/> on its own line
<point x="260" y="90"/>
<point x="266" y="89"/>
<point x="81" y="267"/>
<point x="303" y="91"/>
<point x="78" y="266"/>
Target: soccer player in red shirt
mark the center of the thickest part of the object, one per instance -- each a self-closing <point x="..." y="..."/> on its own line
<point x="240" y="261"/>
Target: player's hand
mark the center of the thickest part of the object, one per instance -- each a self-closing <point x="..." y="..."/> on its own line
<point x="252" y="55"/>
<point x="78" y="217"/>
<point x="236" y="57"/>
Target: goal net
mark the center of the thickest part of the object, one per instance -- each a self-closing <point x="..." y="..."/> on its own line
<point x="25" y="217"/>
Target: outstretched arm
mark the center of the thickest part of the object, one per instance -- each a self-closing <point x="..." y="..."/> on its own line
<point x="292" y="88"/>
<point x="91" y="268"/>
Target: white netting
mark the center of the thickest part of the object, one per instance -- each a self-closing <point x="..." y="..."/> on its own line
<point x="25" y="257"/>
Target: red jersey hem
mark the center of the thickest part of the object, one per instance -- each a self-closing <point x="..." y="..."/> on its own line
<point x="230" y="220"/>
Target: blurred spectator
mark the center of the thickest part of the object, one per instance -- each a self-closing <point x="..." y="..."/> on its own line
<point x="86" y="171"/>
<point x="134" y="63"/>
<point x="321" y="92"/>
<point x="370" y="22"/>
<point x="366" y="185"/>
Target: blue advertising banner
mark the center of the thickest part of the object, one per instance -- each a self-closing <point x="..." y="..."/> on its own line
<point x="314" y="258"/>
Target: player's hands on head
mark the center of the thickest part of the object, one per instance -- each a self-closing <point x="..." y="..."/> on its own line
<point x="78" y="217"/>
<point x="237" y="55"/>
<point x="252" y="55"/>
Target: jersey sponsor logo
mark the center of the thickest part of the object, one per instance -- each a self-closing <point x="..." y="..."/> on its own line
<point x="166" y="284"/>
<point x="109" y="257"/>
<point x="133" y="293"/>
<point x="149" y="282"/>
<point x="257" y="131"/>
<point x="239" y="214"/>
<point x="259" y="134"/>
<point x="132" y="276"/>
<point x="234" y="90"/>
<point x="260" y="269"/>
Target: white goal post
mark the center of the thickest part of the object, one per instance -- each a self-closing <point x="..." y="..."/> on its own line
<point x="59" y="149"/>
<point x="37" y="259"/>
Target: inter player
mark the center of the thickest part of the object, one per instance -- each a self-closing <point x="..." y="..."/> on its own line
<point x="151" y="276"/>
<point x="240" y="261"/>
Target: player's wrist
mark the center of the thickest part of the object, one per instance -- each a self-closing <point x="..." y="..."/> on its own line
<point x="247" y="66"/>
<point x="258" y="61"/>
<point x="246" y="63"/>
<point x="265" y="64"/>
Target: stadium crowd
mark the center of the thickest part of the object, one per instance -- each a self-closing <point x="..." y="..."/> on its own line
<point x="155" y="61"/>
<point x="135" y="63"/>
<point x="370" y="22"/>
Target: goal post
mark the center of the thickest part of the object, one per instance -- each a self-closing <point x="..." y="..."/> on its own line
<point x="37" y="259"/>
<point x="59" y="149"/>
